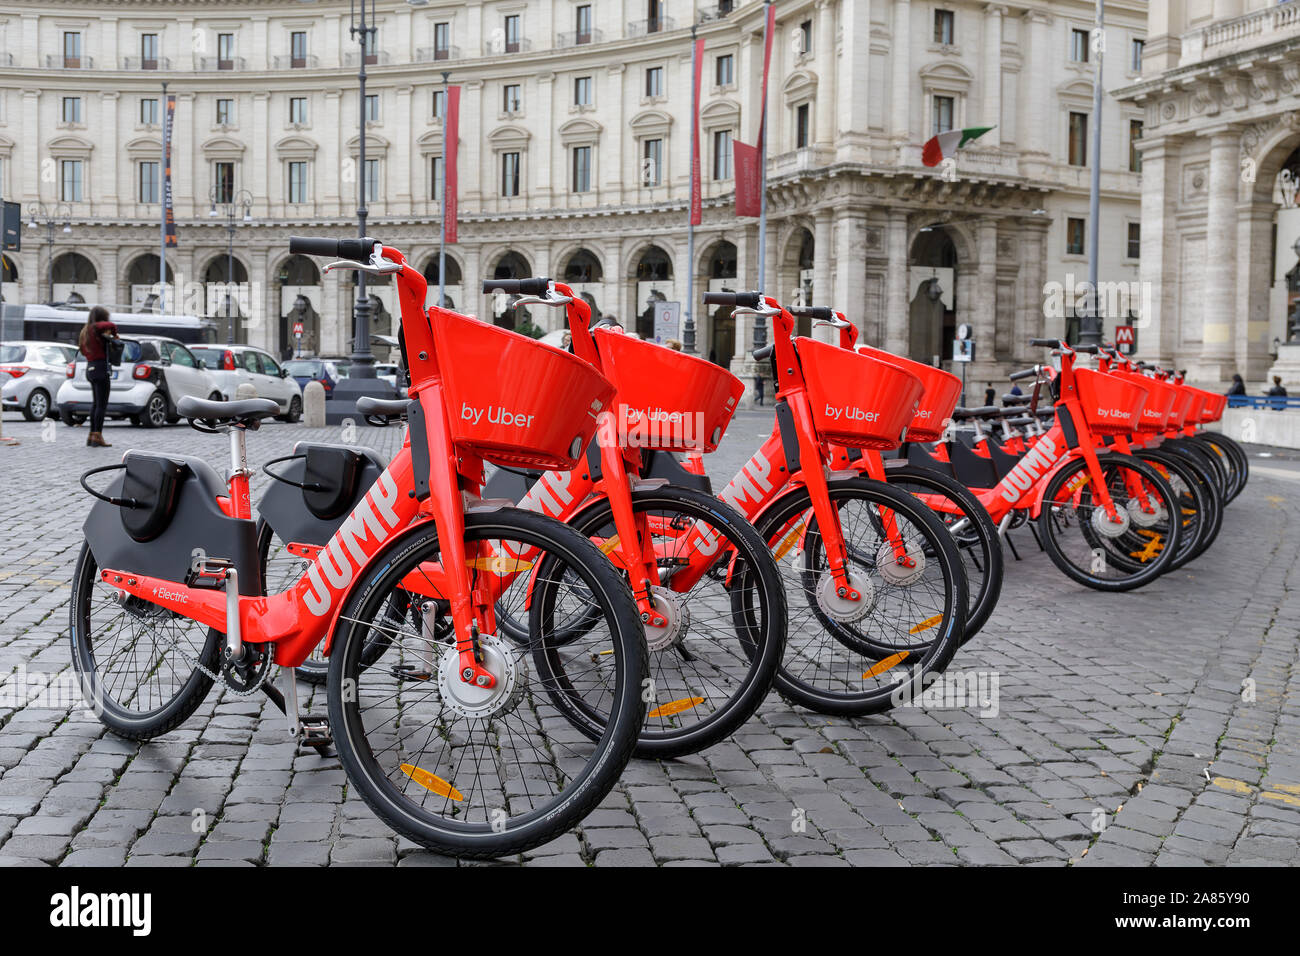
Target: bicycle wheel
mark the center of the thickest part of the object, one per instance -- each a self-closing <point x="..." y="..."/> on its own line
<point x="970" y="526"/>
<point x="1109" y="555"/>
<point x="1198" y="502"/>
<point x="868" y="656"/>
<point x="1232" y="455"/>
<point x="143" y="669"/>
<point x="714" y="662"/>
<point x="475" y="772"/>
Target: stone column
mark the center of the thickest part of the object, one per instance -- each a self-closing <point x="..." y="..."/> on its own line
<point x="610" y="163"/>
<point x="900" y="91"/>
<point x="1250" y="340"/>
<point x="475" y="173"/>
<point x="1157" y="326"/>
<point x="542" y="176"/>
<point x="982" y="311"/>
<point x="398" y="182"/>
<point x="1029" y="299"/>
<point x="108" y="170"/>
<point x="1220" y="294"/>
<point x="328" y="175"/>
<point x="1033" y="126"/>
<point x="823" y="293"/>
<point x="992" y="106"/>
<point x="897" y="292"/>
<point x="852" y="85"/>
<point x="824" y="54"/>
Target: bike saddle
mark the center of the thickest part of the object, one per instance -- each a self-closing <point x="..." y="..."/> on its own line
<point x="387" y="407"/>
<point x="984" y="411"/>
<point x="1008" y="399"/>
<point x="243" y="411"/>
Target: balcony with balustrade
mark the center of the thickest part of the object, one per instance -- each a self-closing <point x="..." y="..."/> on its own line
<point x="1260" y="28"/>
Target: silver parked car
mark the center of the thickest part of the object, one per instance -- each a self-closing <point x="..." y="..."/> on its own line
<point x="30" y="376"/>
<point x="233" y="365"/>
<point x="155" y="373"/>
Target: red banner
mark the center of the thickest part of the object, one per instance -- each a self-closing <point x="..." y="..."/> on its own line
<point x="450" y="144"/>
<point x="697" y="203"/>
<point x="749" y="179"/>
<point x="169" y="214"/>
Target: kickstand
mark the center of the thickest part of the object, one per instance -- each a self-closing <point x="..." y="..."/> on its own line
<point x="1012" y="545"/>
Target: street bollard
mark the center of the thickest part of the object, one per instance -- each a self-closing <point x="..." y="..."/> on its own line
<point x="313" y="405"/>
<point x="246" y="390"/>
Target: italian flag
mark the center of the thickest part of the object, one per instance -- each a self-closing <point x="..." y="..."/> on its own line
<point x="945" y="145"/>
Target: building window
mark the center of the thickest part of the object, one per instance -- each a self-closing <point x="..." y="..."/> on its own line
<point x="509" y="174"/>
<point x="722" y="154"/>
<point x="72" y="50"/>
<point x="1078" y="139"/>
<point x="149" y="111"/>
<point x="70" y="179"/>
<point x="654" y="16"/>
<point x="72" y="109"/>
<point x="223" y="179"/>
<point x="1134" y="250"/>
<point x="581" y="169"/>
<point x="512" y="33"/>
<point x="439" y="104"/>
<point x="1074" y="236"/>
<point x="1134" y="137"/>
<point x="941" y="121"/>
<point x="802" y="125"/>
<point x="1079" y="46"/>
<point x="298" y="49"/>
<point x="582" y="91"/>
<point x="298" y="182"/>
<point x="652" y="160"/>
<point x="582" y="24"/>
<point x="372" y="180"/>
<point x="805" y="37"/>
<point x="370" y="46"/>
<point x="654" y="81"/>
<point x="372" y="107"/>
<point x="511" y="101"/>
<point x="225" y="51"/>
<point x="724" y="70"/>
<point x="148" y="51"/>
<point x="442" y="41"/>
<point x="943" y="26"/>
<point x="298" y="110"/>
<point x="148" y="181"/>
<point x="225" y="112"/>
<point x="1135" y="56"/>
<point x="435" y="178"/>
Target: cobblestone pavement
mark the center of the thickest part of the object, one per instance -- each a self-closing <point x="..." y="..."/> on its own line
<point x="1167" y="719"/>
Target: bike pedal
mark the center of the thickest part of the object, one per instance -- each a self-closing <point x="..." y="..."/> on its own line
<point x="211" y="575"/>
<point x="408" y="672"/>
<point x="314" y="732"/>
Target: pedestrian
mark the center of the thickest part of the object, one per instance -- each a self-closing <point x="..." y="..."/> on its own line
<point x="990" y="395"/>
<point x="758" y="388"/>
<point x="1015" y="390"/>
<point x="92" y="341"/>
<point x="1238" y="386"/>
<point x="673" y="344"/>
<point x="1278" y="390"/>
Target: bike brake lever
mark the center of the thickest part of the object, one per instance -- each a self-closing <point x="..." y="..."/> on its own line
<point x="539" y="300"/>
<point x="833" y="323"/>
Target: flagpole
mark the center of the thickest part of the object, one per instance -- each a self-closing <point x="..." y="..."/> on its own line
<point x="162" y="207"/>
<point x="760" y="328"/>
<point x="688" y="328"/>
<point x="442" y="191"/>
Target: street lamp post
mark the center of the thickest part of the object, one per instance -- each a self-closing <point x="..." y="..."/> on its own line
<point x="40" y="214"/>
<point x="1090" y="332"/>
<point x="363" y="361"/>
<point x="230" y="204"/>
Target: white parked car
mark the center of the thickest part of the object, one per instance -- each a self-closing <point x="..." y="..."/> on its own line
<point x="30" y="376"/>
<point x="154" y="374"/>
<point x="234" y="365"/>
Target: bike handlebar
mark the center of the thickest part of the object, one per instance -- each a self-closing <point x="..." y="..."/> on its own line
<point x="820" y="312"/>
<point x="763" y="353"/>
<point x="746" y="300"/>
<point x="1027" y="373"/>
<point x="358" y="250"/>
<point x="535" y="286"/>
<point x="1046" y="343"/>
<point x="1087" y="349"/>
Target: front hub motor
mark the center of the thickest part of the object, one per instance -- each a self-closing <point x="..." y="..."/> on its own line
<point x="469" y="700"/>
<point x="1108" y="527"/>
<point x="672" y="607"/>
<point x="1145" y="512"/>
<point x="840" y="607"/>
<point x="900" y="573"/>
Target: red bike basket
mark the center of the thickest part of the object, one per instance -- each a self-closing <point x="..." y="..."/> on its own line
<point x="857" y="400"/>
<point x="513" y="400"/>
<point x="942" y="392"/>
<point x="1212" y="405"/>
<point x="1111" y="405"/>
<point x="1161" y="401"/>
<point x="666" y="400"/>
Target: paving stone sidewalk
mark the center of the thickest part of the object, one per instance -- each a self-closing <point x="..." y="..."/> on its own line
<point x="1157" y="727"/>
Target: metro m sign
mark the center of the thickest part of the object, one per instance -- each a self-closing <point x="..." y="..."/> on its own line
<point x="1126" y="339"/>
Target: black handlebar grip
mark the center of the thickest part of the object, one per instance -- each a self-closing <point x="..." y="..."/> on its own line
<point x="1046" y="343"/>
<point x="745" y="300"/>
<point x="1027" y="373"/>
<point x="358" y="250"/>
<point x="534" y="286"/>
<point x="1088" y="349"/>
<point x="763" y="353"/>
<point x="819" y="312"/>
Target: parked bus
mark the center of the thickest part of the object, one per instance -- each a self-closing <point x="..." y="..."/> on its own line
<point x="49" y="323"/>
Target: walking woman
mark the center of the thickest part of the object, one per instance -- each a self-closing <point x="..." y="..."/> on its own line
<point x="92" y="343"/>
